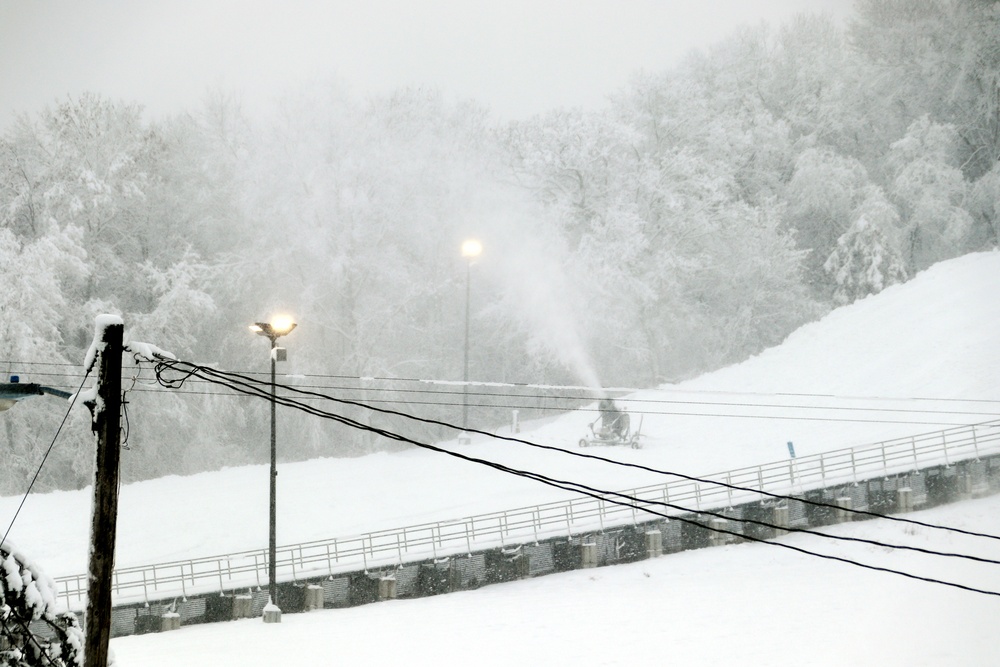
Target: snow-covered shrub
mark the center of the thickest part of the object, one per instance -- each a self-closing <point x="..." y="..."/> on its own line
<point x="55" y="639"/>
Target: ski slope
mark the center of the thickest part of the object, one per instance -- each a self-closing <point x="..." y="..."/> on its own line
<point x="916" y="358"/>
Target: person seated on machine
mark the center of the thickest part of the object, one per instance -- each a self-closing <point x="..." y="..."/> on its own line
<point x="614" y="422"/>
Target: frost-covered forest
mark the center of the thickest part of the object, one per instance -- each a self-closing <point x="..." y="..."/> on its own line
<point x="700" y="216"/>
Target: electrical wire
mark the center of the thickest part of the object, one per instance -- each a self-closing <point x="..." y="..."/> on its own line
<point x="356" y="424"/>
<point x="29" y="635"/>
<point x="598" y="392"/>
<point x="579" y="454"/>
<point x="501" y="406"/>
<point x="678" y="413"/>
<point x="72" y="402"/>
<point x="606" y="496"/>
<point x="193" y="370"/>
<point x="240" y="384"/>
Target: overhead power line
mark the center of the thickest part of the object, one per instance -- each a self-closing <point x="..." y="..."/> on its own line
<point x="262" y="388"/>
<point x="255" y="388"/>
<point x="761" y="410"/>
<point x="373" y="405"/>
<point x="69" y="408"/>
<point x="593" y="392"/>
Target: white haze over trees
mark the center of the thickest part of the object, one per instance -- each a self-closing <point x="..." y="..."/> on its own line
<point x="701" y="216"/>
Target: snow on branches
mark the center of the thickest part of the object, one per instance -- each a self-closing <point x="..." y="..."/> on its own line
<point x="29" y="597"/>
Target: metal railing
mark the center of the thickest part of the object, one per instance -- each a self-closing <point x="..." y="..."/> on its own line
<point x="390" y="548"/>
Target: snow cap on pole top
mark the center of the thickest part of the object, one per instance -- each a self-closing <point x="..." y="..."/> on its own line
<point x="106" y="320"/>
<point x="101" y="323"/>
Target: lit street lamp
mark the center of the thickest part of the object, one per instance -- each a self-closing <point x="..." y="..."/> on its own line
<point x="471" y="249"/>
<point x="273" y="330"/>
<point x="11" y="393"/>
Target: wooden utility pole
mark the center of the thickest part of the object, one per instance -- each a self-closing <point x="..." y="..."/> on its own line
<point x="106" y="412"/>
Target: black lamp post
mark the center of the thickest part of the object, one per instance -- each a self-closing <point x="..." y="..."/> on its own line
<point x="470" y="250"/>
<point x="273" y="330"/>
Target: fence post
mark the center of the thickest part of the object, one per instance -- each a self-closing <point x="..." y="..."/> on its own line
<point x="780" y="515"/>
<point x="387" y="587"/>
<point x="844" y="505"/>
<point x="588" y="553"/>
<point x="717" y="537"/>
<point x="654" y="543"/>
<point x="904" y="500"/>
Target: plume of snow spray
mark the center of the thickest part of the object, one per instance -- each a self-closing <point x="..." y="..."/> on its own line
<point x="544" y="300"/>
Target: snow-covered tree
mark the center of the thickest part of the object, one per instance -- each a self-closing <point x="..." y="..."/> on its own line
<point x="660" y="233"/>
<point x="35" y="277"/>
<point x="930" y="192"/>
<point x="822" y="193"/>
<point x="868" y="257"/>
<point x="984" y="205"/>
<point x="937" y="58"/>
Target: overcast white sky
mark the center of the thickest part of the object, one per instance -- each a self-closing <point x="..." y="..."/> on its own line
<point x="518" y="57"/>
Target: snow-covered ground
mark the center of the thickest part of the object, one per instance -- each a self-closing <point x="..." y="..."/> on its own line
<point x="916" y="358"/>
<point x="751" y="604"/>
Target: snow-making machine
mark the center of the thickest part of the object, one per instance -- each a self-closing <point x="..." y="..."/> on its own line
<point x="614" y="427"/>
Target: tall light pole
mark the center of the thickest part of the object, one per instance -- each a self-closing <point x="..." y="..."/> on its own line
<point x="273" y="330"/>
<point x="471" y="249"/>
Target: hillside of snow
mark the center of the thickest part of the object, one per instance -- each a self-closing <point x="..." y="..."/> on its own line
<point x="916" y="358"/>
